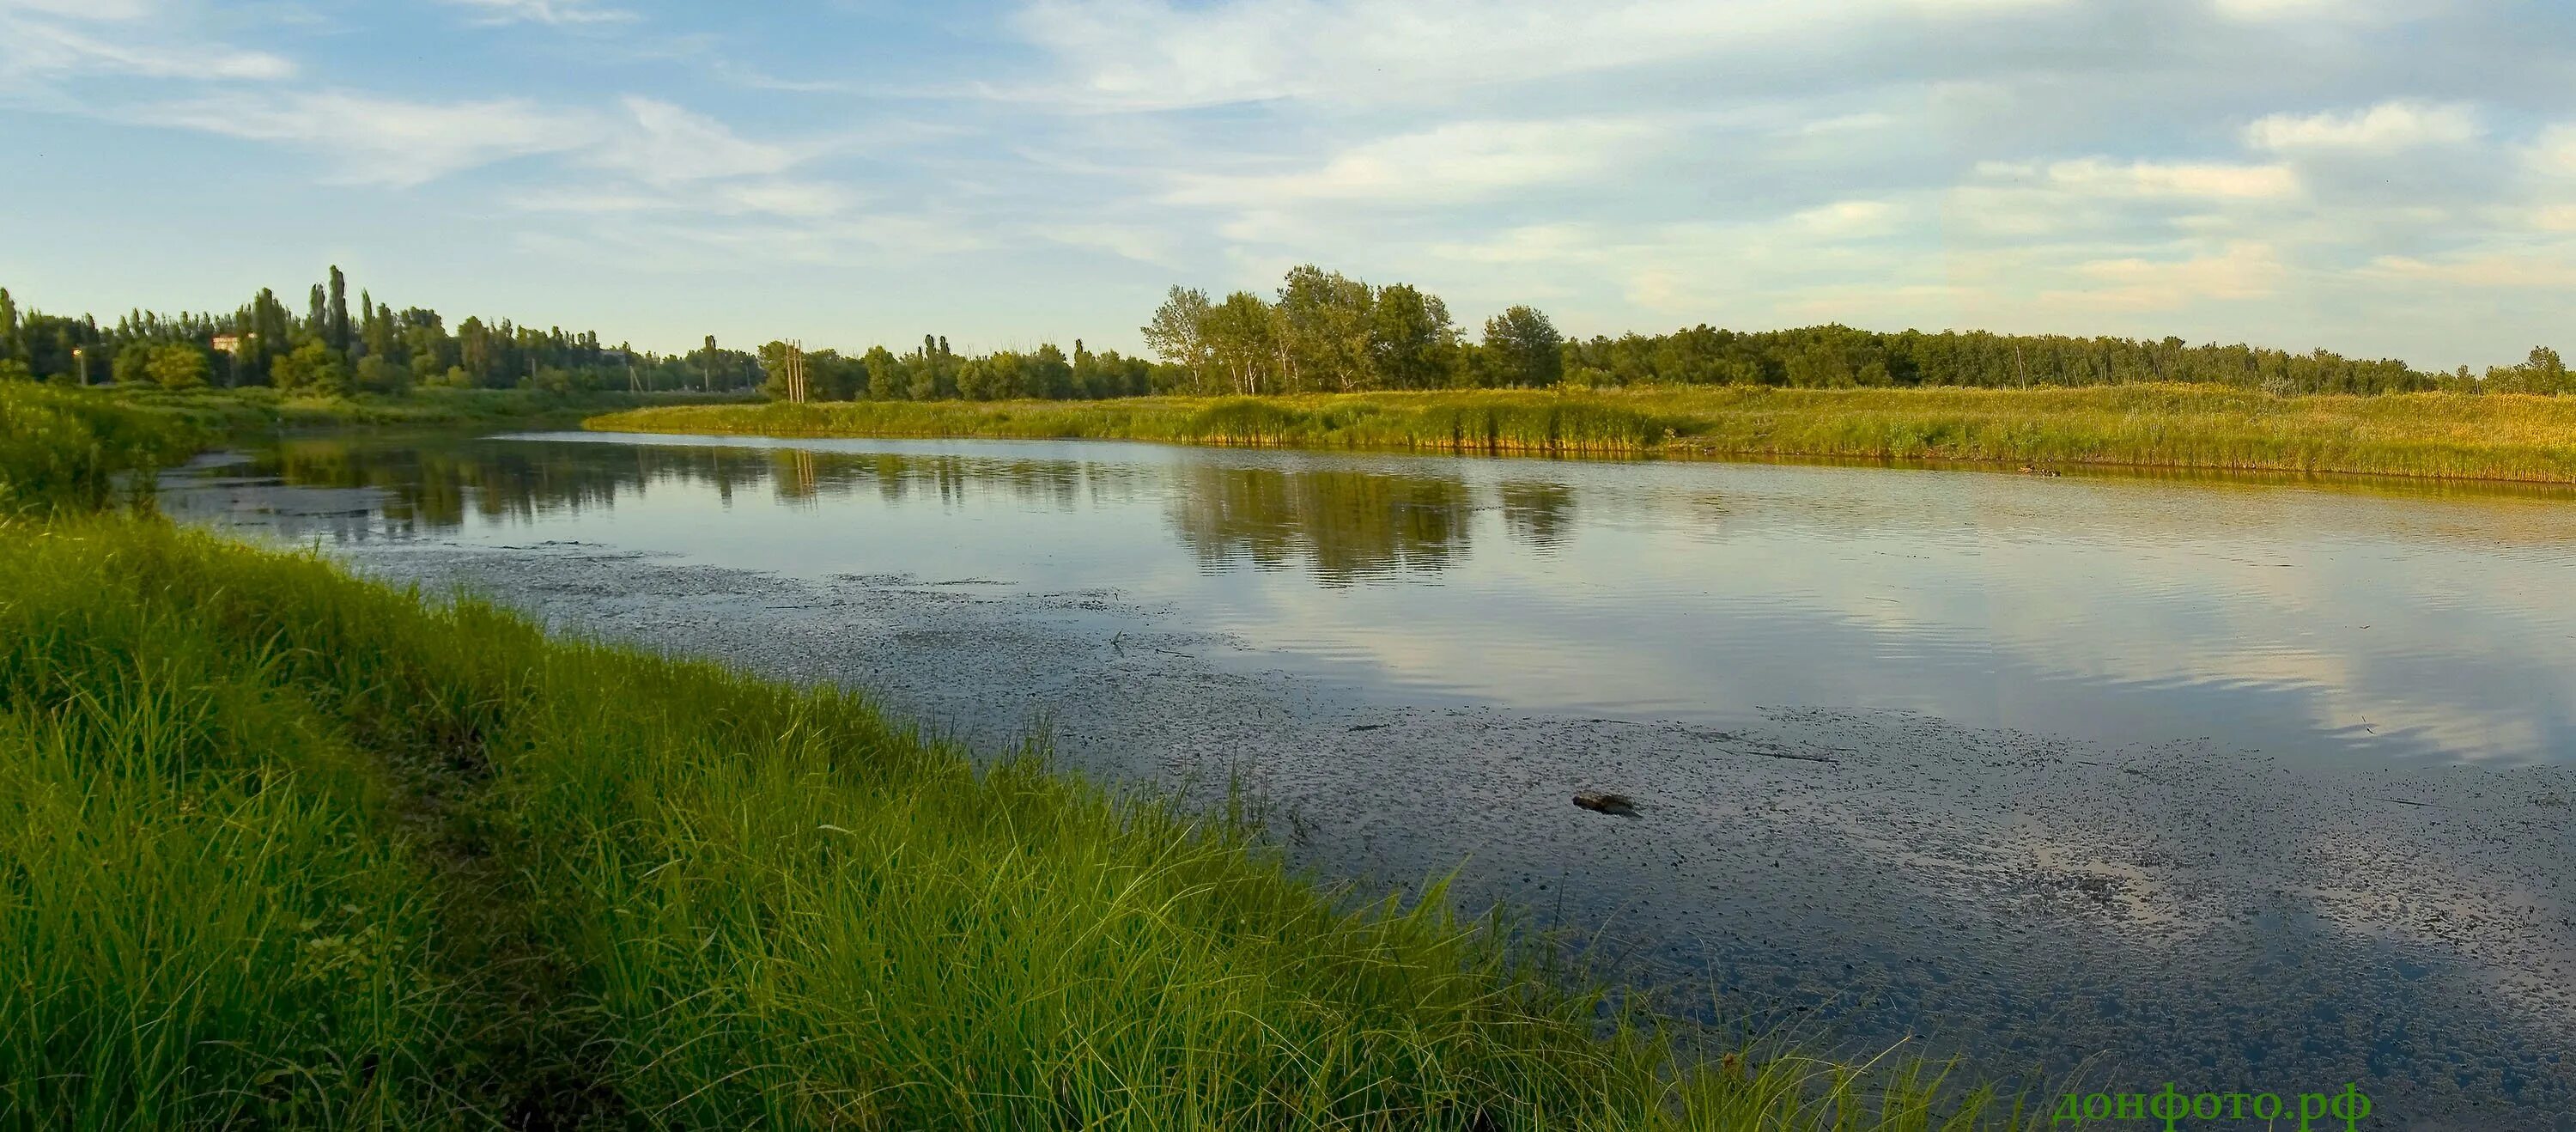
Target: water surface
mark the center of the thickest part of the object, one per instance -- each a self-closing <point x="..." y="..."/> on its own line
<point x="2426" y="625"/>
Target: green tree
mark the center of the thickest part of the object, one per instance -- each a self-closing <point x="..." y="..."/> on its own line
<point x="1323" y="331"/>
<point x="336" y="330"/>
<point x="1242" y="343"/>
<point x="1177" y="332"/>
<point x="887" y="379"/>
<point x="177" y="365"/>
<point x="313" y="368"/>
<point x="1090" y="381"/>
<point x="1409" y="334"/>
<point x="773" y="369"/>
<point x="268" y="334"/>
<point x="379" y="335"/>
<point x="1523" y="348"/>
<point x="476" y="350"/>
<point x="933" y="369"/>
<point x="377" y="373"/>
<point x="133" y="365"/>
<point x="836" y="378"/>
<point x="2543" y="371"/>
<point x="1047" y="374"/>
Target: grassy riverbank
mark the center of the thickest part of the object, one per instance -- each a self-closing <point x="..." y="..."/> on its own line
<point x="2500" y="437"/>
<point x="260" y="408"/>
<point x="283" y="847"/>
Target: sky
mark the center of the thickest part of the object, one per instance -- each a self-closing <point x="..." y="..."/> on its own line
<point x="2380" y="177"/>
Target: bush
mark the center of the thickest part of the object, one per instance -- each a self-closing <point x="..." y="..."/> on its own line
<point x="178" y="365"/>
<point x="312" y="368"/>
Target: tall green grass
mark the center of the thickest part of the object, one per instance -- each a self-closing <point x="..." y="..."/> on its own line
<point x="206" y="913"/>
<point x="68" y="450"/>
<point x="2448" y="435"/>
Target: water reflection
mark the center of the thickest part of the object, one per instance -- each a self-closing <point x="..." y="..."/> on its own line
<point x="1538" y="511"/>
<point x="1343" y="525"/>
<point x="438" y="483"/>
<point x="2407" y="623"/>
<point x="1346" y="525"/>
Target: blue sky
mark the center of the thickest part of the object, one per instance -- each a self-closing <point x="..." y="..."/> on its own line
<point x="2388" y="177"/>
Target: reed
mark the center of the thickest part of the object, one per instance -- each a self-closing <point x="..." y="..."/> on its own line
<point x="2438" y="435"/>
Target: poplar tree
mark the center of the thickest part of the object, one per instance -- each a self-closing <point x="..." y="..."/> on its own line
<point x="337" y="331"/>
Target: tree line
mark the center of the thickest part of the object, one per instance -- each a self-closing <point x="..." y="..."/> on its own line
<point x="1835" y="356"/>
<point x="932" y="371"/>
<point x="331" y="349"/>
<point x="1318" y="332"/>
<point x="1324" y="332"/>
<point x="1328" y="333"/>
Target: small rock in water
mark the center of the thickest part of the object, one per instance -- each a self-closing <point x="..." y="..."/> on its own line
<point x="1600" y="803"/>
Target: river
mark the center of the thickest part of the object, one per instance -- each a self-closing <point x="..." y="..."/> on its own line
<point x="2245" y="784"/>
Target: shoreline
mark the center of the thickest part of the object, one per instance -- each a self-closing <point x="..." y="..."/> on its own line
<point x="2500" y="439"/>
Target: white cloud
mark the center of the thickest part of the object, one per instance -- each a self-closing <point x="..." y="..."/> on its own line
<point x="85" y="9"/>
<point x="2344" y="11"/>
<point x="1144" y="245"/>
<point x="2240" y="271"/>
<point x="2553" y="152"/>
<point x="784" y="198"/>
<point x="1457" y="162"/>
<point x="2094" y="176"/>
<point x="1532" y="244"/>
<point x="386" y="141"/>
<point x="1166" y="53"/>
<point x="2275" y="9"/>
<point x="1848" y="219"/>
<point x="558" y="12"/>
<point x="701" y="243"/>
<point x="666" y="144"/>
<point x="2509" y="270"/>
<point x="806" y="200"/>
<point x="2385" y="128"/>
<point x="1864" y="122"/>
<point x="42" y="47"/>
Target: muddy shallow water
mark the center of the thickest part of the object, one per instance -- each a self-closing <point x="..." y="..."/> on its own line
<point x="2247" y="786"/>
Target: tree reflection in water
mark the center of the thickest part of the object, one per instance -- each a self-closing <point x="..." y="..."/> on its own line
<point x="1349" y="525"/>
<point x="1345" y="525"/>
